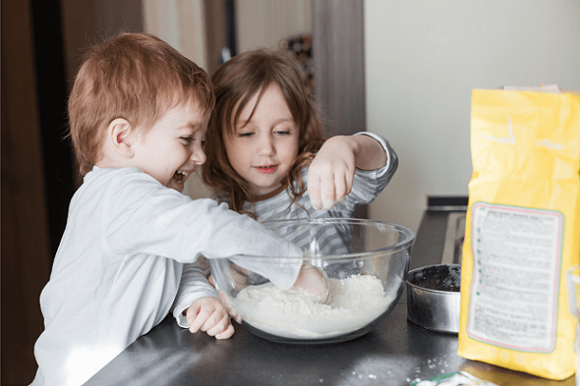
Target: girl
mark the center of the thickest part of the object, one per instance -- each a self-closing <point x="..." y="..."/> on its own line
<point x="266" y="148"/>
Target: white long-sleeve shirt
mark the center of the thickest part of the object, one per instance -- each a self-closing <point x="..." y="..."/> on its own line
<point x="119" y="266"/>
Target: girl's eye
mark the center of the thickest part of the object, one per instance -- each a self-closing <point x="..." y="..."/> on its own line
<point x="247" y="134"/>
<point x="283" y="132"/>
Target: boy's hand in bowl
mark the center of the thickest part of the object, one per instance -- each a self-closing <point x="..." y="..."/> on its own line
<point x="313" y="281"/>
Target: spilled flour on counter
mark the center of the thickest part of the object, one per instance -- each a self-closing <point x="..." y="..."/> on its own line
<point x="353" y="303"/>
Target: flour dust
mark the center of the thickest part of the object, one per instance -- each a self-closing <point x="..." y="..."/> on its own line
<point x="354" y="302"/>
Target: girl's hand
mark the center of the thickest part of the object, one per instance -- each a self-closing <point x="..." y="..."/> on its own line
<point x="208" y="314"/>
<point x="331" y="173"/>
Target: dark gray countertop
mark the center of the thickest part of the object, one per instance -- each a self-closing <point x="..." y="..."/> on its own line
<point x="397" y="352"/>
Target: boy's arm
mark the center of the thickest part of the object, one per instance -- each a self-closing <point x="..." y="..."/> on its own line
<point x="145" y="217"/>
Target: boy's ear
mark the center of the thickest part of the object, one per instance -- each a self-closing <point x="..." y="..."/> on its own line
<point x="120" y="137"/>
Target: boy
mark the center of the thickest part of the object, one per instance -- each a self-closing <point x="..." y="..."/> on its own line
<point x="138" y="115"/>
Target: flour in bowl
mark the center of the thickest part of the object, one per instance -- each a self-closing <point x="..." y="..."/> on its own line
<point x="354" y="302"/>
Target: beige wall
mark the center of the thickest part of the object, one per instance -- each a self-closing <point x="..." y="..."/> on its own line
<point x="422" y="60"/>
<point x="179" y="23"/>
<point x="263" y="23"/>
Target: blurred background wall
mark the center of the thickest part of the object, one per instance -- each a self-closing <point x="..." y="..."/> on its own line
<point x="403" y="69"/>
<point x="423" y="58"/>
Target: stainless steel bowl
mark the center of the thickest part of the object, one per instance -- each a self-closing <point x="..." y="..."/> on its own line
<point x="433" y="297"/>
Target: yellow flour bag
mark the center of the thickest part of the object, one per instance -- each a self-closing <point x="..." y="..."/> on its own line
<point x="522" y="232"/>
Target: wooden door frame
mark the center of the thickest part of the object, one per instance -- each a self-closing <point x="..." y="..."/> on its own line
<point x="338" y="54"/>
<point x="339" y="68"/>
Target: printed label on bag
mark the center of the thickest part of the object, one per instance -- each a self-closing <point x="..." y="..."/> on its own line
<point x="516" y="272"/>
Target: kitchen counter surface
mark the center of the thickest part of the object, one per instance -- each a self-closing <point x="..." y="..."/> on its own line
<point x="397" y="352"/>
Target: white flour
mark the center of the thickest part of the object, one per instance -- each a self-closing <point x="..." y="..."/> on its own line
<point x="354" y="302"/>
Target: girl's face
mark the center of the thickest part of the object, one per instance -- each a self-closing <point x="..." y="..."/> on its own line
<point x="262" y="150"/>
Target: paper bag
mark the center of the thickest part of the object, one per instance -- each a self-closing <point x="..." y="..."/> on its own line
<point x="522" y="231"/>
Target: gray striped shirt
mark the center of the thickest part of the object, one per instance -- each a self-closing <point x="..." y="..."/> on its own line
<point x="367" y="185"/>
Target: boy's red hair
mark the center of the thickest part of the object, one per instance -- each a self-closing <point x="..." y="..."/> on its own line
<point x="134" y="76"/>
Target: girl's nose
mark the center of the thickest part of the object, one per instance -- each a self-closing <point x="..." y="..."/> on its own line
<point x="266" y="146"/>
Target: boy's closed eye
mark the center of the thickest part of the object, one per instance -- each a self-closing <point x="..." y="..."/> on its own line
<point x="186" y="140"/>
<point x="189" y="139"/>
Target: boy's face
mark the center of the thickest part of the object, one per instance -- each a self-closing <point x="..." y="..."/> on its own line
<point x="263" y="149"/>
<point x="172" y="149"/>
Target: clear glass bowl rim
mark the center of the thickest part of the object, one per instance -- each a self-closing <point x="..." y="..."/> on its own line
<point x="405" y="243"/>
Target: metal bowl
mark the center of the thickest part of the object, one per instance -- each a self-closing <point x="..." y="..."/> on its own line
<point x="434" y="298"/>
<point x="360" y="258"/>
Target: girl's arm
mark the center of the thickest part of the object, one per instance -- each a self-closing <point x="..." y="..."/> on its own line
<point x="331" y="173"/>
<point x="197" y="305"/>
<point x="192" y="287"/>
<point x="371" y="154"/>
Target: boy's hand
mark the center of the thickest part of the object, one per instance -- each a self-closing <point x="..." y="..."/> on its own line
<point x="313" y="281"/>
<point x="331" y="173"/>
<point x="208" y="314"/>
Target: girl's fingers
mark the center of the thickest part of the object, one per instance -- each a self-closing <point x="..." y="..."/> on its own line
<point x="314" y="190"/>
<point x="327" y="190"/>
<point x="227" y="333"/>
<point x="209" y="315"/>
<point x="198" y="321"/>
<point x="348" y="181"/>
<point x="340" y="186"/>
<point x="214" y="321"/>
<point x="329" y="183"/>
<point x="191" y="314"/>
<point x="211" y="320"/>
<point x="220" y="327"/>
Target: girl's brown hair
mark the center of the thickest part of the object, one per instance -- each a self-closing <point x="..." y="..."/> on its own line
<point x="235" y="83"/>
<point x="134" y="76"/>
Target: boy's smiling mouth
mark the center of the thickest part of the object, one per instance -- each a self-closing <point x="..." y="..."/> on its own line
<point x="180" y="176"/>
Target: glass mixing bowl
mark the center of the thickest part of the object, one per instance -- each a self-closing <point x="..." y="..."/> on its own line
<point x="366" y="263"/>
